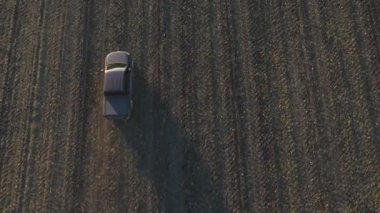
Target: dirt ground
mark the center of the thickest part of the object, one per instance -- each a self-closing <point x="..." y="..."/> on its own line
<point x="240" y="106"/>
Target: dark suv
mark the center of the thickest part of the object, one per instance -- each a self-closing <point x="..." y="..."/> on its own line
<point x="118" y="76"/>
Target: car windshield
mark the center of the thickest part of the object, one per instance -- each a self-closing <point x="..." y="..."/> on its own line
<point x="114" y="65"/>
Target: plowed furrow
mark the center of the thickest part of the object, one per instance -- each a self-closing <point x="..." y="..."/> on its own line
<point x="239" y="106"/>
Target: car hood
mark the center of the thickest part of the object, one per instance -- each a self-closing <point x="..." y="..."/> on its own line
<point x="117" y="58"/>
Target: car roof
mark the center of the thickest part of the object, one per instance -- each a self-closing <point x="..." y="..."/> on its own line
<point x="117" y="57"/>
<point x="114" y="81"/>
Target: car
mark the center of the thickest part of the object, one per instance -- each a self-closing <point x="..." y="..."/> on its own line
<point x="118" y="79"/>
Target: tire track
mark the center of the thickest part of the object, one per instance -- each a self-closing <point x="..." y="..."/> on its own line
<point x="217" y="130"/>
<point x="227" y="132"/>
<point x="256" y="15"/>
<point x="6" y="90"/>
<point x="284" y="61"/>
<point x="40" y="165"/>
<point x="4" y="19"/>
<point x="21" y="99"/>
<point x="357" y="77"/>
<point x="373" y="12"/>
<point x="278" y="91"/>
<point x="351" y="157"/>
<point x="48" y="113"/>
<point x="134" y="136"/>
<point x="57" y="183"/>
<point x="210" y="161"/>
<point x="264" y="194"/>
<point x="21" y="86"/>
<point x="314" y="108"/>
<point x="192" y="185"/>
<point x="169" y="143"/>
<point x="94" y="125"/>
<point x="146" y="73"/>
<point x="372" y="39"/>
<point x="119" y="26"/>
<point x="71" y="75"/>
<point x="6" y="31"/>
<point x="28" y="81"/>
<point x="327" y="62"/>
<point x="121" y="164"/>
<point x="249" y="54"/>
<point x="196" y="109"/>
<point x="239" y="76"/>
<point x="52" y="111"/>
<point x="37" y="107"/>
<point x="284" y="143"/>
<point x="320" y="100"/>
<point x="85" y="80"/>
<point x="326" y="144"/>
<point x="157" y="148"/>
<point x="366" y="72"/>
<point x="341" y="135"/>
<point x="146" y="95"/>
<point x="105" y="186"/>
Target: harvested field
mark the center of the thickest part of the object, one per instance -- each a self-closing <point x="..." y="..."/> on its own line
<point x="240" y="106"/>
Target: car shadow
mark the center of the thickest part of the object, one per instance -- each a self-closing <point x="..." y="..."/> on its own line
<point x="169" y="160"/>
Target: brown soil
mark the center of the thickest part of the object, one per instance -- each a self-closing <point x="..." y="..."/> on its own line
<point x="240" y="106"/>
